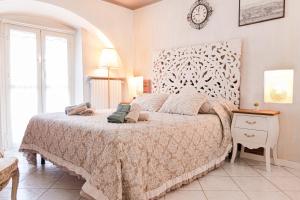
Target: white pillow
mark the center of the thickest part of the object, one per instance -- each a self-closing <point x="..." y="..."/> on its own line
<point x="151" y="102"/>
<point x="207" y="107"/>
<point x="184" y="103"/>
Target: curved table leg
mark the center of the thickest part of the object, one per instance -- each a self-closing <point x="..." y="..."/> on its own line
<point x="275" y="157"/>
<point x="15" y="184"/>
<point x="234" y="152"/>
<point x="268" y="160"/>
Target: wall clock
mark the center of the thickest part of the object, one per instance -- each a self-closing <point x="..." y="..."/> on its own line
<point x="199" y="14"/>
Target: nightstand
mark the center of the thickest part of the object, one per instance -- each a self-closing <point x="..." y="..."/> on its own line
<point x="254" y="129"/>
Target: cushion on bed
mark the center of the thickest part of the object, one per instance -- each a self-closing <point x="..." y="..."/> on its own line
<point x="184" y="103"/>
<point x="207" y="107"/>
<point x="151" y="102"/>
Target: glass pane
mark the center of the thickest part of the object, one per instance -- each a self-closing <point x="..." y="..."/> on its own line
<point x="56" y="67"/>
<point x="23" y="81"/>
<point x="23" y="58"/>
<point x="23" y="107"/>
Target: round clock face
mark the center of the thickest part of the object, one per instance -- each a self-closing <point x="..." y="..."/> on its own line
<point x="199" y="14"/>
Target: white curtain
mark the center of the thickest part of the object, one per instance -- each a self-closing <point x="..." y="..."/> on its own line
<point x="3" y="89"/>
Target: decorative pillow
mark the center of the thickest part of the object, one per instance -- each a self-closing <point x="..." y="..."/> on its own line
<point x="184" y="103"/>
<point x="151" y="102"/>
<point x="207" y="107"/>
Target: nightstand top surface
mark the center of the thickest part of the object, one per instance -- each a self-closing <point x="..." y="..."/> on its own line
<point x="257" y="112"/>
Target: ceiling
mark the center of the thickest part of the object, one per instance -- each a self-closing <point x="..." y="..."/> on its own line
<point x="132" y="4"/>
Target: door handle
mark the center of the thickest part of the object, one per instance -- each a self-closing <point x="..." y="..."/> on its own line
<point x="248" y="135"/>
<point x="251" y="123"/>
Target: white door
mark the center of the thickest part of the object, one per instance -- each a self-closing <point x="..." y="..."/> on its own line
<point x="57" y="76"/>
<point x="39" y="71"/>
<point x="23" y="50"/>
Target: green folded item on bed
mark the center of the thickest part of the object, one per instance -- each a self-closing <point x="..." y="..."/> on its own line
<point x="123" y="108"/>
<point x="120" y="114"/>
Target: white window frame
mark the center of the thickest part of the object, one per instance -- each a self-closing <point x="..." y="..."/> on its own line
<point x="41" y="32"/>
<point x="71" y="63"/>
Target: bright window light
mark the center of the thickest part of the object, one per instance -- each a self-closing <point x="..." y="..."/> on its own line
<point x="279" y="86"/>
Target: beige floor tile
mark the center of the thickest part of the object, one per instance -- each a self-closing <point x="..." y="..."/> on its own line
<point x="225" y="195"/>
<point x="286" y="183"/>
<point x="50" y="171"/>
<point x="22" y="194"/>
<point x="218" y="172"/>
<point x="240" y="170"/>
<point x="296" y="172"/>
<point x="238" y="161"/>
<point x="27" y="169"/>
<point x="60" y="194"/>
<point x="294" y="195"/>
<point x="36" y="180"/>
<point x="185" y="195"/>
<point x="69" y="182"/>
<point x="192" y="186"/>
<point x="254" y="184"/>
<point x="275" y="171"/>
<point x="266" y="195"/>
<point x="218" y="183"/>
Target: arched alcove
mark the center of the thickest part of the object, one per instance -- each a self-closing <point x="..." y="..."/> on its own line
<point x="55" y="12"/>
<point x="85" y="29"/>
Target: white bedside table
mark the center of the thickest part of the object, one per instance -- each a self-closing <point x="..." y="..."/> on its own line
<point x="254" y="129"/>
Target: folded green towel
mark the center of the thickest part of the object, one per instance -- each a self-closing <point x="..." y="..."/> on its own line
<point x="120" y="114"/>
<point x="117" y="117"/>
<point x="123" y="108"/>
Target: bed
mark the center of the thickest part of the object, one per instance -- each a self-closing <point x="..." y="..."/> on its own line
<point x="145" y="160"/>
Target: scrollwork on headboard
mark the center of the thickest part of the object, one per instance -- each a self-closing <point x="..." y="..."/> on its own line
<point x="212" y="68"/>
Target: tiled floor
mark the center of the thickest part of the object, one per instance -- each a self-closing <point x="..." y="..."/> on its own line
<point x="244" y="180"/>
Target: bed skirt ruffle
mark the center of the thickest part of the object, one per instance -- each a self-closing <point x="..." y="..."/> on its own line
<point x="91" y="192"/>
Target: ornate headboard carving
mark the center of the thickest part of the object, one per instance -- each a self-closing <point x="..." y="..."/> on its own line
<point x="212" y="68"/>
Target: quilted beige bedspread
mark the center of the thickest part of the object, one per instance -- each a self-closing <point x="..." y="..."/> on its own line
<point x="131" y="161"/>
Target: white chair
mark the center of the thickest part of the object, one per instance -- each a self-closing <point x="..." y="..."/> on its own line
<point x="9" y="169"/>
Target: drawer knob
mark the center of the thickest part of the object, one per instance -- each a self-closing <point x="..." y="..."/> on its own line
<point x="251" y="123"/>
<point x="248" y="135"/>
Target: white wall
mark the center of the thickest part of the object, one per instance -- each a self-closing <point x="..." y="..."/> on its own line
<point x="114" y="21"/>
<point x="269" y="45"/>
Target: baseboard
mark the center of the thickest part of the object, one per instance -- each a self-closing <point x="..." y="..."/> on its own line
<point x="281" y="162"/>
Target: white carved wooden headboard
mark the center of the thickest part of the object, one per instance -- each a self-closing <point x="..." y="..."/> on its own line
<point x="212" y="68"/>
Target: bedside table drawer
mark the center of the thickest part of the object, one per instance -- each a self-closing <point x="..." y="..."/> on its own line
<point x="250" y="136"/>
<point x="251" y="122"/>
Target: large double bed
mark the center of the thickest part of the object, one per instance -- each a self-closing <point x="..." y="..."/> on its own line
<point x="145" y="160"/>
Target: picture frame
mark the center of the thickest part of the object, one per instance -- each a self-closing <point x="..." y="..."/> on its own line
<point x="257" y="11"/>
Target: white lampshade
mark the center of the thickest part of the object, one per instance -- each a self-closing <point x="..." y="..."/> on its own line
<point x="109" y="58"/>
<point x="279" y="86"/>
<point x="136" y="85"/>
<point x="139" y="84"/>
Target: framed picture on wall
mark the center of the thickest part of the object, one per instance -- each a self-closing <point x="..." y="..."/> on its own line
<point x="256" y="11"/>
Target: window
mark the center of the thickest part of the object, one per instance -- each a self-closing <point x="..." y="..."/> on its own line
<point x="39" y="75"/>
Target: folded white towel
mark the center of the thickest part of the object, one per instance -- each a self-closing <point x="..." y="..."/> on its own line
<point x="134" y="113"/>
<point x="76" y="110"/>
<point x="71" y="108"/>
<point x="87" y="112"/>
<point x="143" y="117"/>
